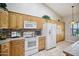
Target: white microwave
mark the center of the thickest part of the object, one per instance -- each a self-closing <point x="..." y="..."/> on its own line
<point x="30" y="25"/>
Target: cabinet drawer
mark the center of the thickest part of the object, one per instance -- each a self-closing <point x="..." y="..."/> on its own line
<point x="5" y="46"/>
<point x="5" y="50"/>
<point x="16" y="42"/>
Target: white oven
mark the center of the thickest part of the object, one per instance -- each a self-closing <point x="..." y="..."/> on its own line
<point x="31" y="43"/>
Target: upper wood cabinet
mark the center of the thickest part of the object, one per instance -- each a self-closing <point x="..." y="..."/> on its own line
<point x="4" y="19"/>
<point x="15" y="20"/>
<point x="12" y="20"/>
<point x="38" y="20"/>
<point x="40" y="23"/>
<point x="19" y="21"/>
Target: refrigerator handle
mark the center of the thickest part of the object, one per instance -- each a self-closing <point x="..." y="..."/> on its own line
<point x="49" y="31"/>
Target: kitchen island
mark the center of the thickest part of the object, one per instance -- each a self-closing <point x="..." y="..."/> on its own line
<point x="72" y="50"/>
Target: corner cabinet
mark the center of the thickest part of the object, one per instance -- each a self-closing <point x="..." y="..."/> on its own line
<point x="4" y="19"/>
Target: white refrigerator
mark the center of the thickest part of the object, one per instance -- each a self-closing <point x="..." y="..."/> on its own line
<point x="49" y="31"/>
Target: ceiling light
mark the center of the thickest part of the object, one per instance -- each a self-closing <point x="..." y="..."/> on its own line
<point x="73" y="20"/>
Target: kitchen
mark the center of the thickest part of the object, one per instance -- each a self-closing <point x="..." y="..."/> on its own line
<point x="25" y="35"/>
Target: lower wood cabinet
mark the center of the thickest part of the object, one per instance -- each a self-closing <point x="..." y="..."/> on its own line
<point x="13" y="48"/>
<point x="41" y="43"/>
<point x="5" y="49"/>
<point x="17" y="48"/>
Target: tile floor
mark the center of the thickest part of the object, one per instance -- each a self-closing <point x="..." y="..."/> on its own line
<point x="58" y="51"/>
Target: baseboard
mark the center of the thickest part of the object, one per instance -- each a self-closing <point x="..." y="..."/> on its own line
<point x="50" y="48"/>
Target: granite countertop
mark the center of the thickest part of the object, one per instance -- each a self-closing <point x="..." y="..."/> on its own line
<point x="10" y="39"/>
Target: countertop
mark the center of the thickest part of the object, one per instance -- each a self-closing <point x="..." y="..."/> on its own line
<point x="10" y="39"/>
<point x="40" y="36"/>
<point x="73" y="49"/>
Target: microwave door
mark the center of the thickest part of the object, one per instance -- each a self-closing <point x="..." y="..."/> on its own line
<point x="30" y="24"/>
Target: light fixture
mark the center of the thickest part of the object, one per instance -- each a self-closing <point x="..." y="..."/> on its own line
<point x="73" y="21"/>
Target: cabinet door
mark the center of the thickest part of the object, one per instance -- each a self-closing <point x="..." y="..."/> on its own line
<point x="5" y="49"/>
<point x="4" y="19"/>
<point x="19" y="21"/>
<point x="12" y="20"/>
<point x="40" y="23"/>
<point x="41" y="44"/>
<point x="60" y="31"/>
<point x="17" y="47"/>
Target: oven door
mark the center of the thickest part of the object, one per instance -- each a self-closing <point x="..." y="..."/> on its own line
<point x="30" y="43"/>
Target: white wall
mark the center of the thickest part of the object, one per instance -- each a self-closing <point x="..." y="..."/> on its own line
<point x="35" y="9"/>
<point x="68" y="35"/>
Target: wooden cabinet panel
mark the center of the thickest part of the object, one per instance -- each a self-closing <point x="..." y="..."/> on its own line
<point x="19" y="21"/>
<point x="60" y="31"/>
<point x="26" y="17"/>
<point x="5" y="49"/>
<point x="4" y="19"/>
<point x="41" y="43"/>
<point x="39" y="21"/>
<point x="17" y="48"/>
<point x="15" y="20"/>
<point x="12" y="20"/>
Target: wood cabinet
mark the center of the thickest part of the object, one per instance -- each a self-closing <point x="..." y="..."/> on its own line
<point x="15" y="20"/>
<point x="38" y="20"/>
<point x="12" y="20"/>
<point x="5" y="49"/>
<point x="40" y="23"/>
<point x="41" y="43"/>
<point x="19" y="21"/>
<point x="4" y="19"/>
<point x="17" y="47"/>
<point x="60" y="32"/>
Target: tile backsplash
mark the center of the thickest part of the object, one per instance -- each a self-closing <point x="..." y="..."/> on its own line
<point x="7" y="33"/>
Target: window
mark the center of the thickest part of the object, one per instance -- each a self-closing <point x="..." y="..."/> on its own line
<point x="75" y="29"/>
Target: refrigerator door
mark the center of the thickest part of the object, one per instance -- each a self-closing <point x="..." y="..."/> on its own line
<point x="50" y="36"/>
<point x="49" y="31"/>
<point x="53" y="35"/>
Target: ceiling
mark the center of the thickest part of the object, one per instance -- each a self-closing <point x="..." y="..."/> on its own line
<point x="64" y="9"/>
